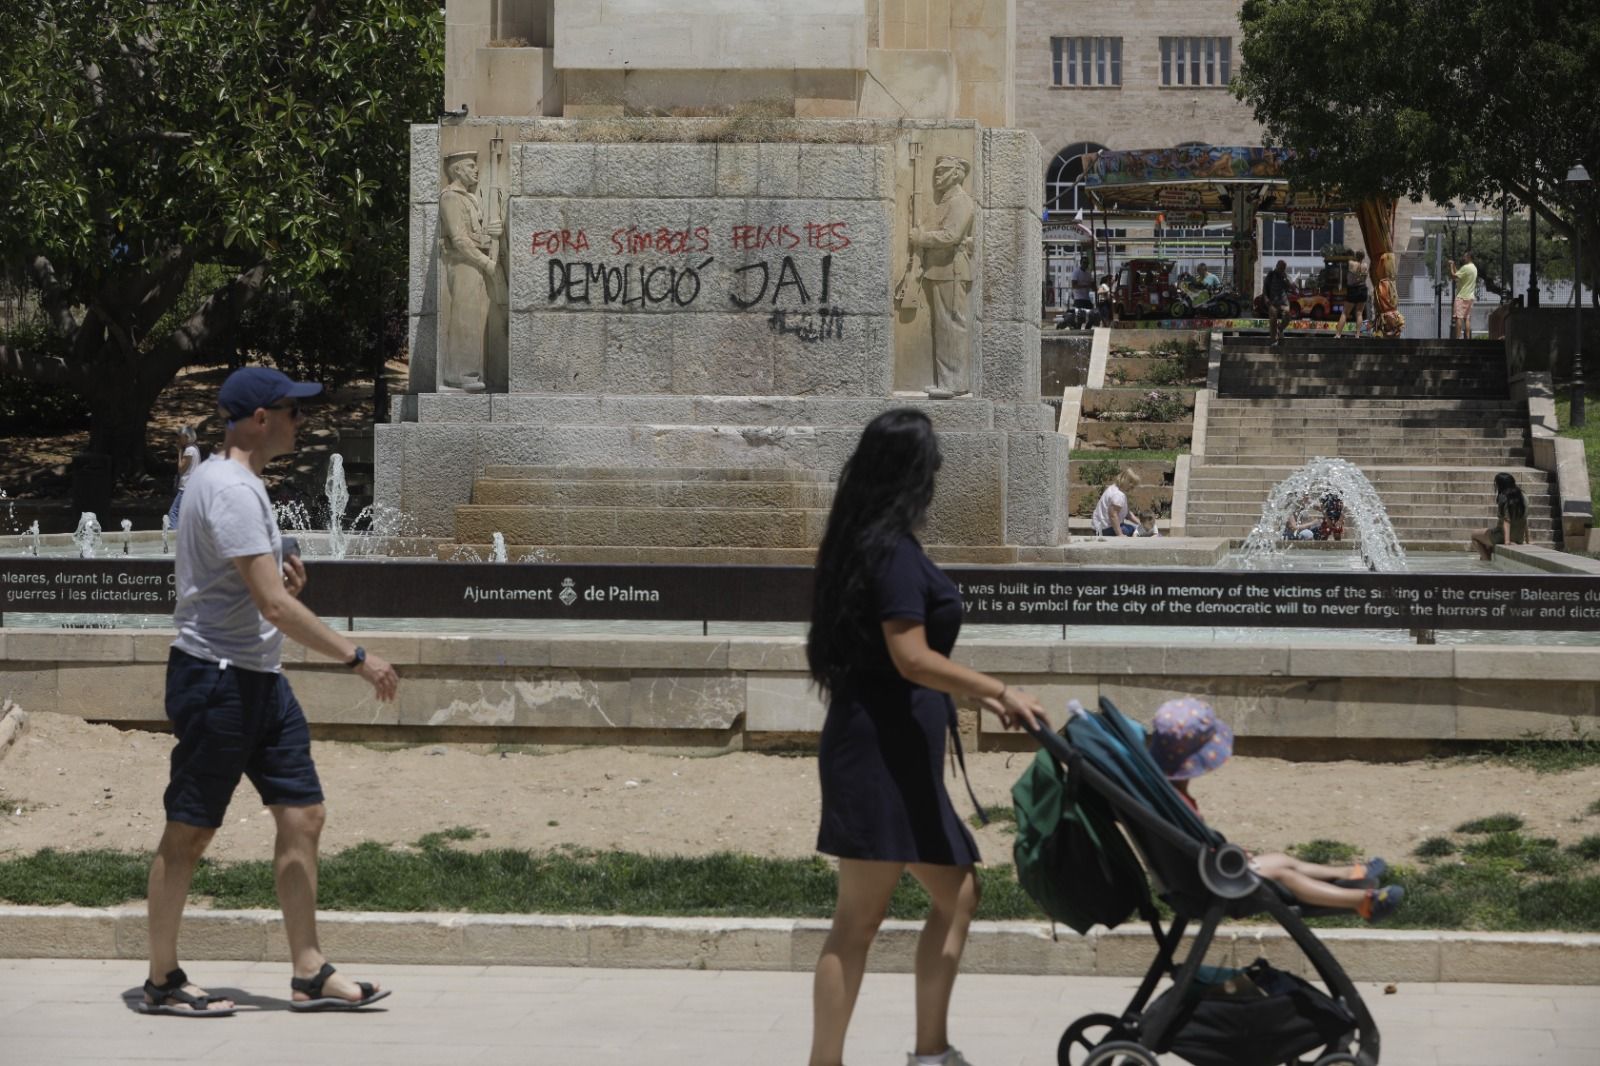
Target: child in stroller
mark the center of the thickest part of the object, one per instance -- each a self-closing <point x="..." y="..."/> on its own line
<point x="1187" y="740"/>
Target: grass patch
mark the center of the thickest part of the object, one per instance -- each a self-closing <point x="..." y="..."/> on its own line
<point x="1326" y="852"/>
<point x="1495" y="823"/>
<point x="435" y="877"/>
<point x="1504" y="881"/>
<point x="1593" y="808"/>
<point x="1000" y="816"/>
<point x="1587" y="849"/>
<point x="1589" y="434"/>
<point x="1435" y="848"/>
<point x="1546" y="752"/>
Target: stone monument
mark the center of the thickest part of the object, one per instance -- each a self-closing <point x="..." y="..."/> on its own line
<point x="723" y="241"/>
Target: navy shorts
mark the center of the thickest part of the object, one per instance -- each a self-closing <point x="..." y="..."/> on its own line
<point x="234" y="723"/>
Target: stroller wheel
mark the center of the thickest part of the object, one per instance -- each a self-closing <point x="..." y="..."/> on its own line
<point x="1078" y="1041"/>
<point x="1340" y="1058"/>
<point x="1121" y="1053"/>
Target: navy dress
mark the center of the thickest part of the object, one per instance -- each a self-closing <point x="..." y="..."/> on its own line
<point x="882" y="749"/>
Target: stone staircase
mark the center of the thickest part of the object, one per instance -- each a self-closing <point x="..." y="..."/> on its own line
<point x="647" y="514"/>
<point x="1430" y="423"/>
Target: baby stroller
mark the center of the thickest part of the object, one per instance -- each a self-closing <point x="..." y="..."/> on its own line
<point x="1114" y="792"/>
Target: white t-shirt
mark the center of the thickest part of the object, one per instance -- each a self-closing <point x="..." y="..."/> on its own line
<point x="192" y="454"/>
<point x="225" y="515"/>
<point x="1112" y="497"/>
<point x="1082" y="284"/>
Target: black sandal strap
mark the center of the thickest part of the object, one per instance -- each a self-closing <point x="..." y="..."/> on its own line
<point x="312" y="986"/>
<point x="171" y="991"/>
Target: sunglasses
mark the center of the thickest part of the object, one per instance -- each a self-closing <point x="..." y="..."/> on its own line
<point x="293" y="407"/>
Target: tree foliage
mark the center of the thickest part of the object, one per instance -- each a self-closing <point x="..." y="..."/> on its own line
<point x="1445" y="99"/>
<point x="140" y="141"/>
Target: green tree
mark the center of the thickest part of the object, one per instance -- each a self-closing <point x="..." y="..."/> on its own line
<point x="1445" y="99"/>
<point x="265" y="142"/>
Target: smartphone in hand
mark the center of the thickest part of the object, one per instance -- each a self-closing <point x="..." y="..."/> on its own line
<point x="291" y="547"/>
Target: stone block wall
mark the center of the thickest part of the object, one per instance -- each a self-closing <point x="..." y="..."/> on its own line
<point x="750" y="269"/>
<point x="708" y="292"/>
<point x="733" y="691"/>
<point x="1142" y="113"/>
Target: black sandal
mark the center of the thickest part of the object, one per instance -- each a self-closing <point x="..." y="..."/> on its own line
<point x="163" y="996"/>
<point x="312" y="987"/>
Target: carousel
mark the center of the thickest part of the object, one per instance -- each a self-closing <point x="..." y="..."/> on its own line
<point x="1212" y="196"/>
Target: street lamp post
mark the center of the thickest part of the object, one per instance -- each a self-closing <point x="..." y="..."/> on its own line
<point x="1577" y="181"/>
<point x="1452" y="219"/>
<point x="1470" y="208"/>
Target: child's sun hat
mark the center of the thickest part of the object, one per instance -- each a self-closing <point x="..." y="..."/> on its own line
<point x="1187" y="739"/>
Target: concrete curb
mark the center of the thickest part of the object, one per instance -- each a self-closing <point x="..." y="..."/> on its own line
<point x="781" y="944"/>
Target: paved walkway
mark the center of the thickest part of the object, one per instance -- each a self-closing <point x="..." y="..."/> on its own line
<point x="63" y="1011"/>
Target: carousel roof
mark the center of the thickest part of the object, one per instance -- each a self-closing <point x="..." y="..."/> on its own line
<point x="1199" y="178"/>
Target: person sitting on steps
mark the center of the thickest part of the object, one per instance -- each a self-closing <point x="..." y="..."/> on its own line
<point x="1511" y="518"/>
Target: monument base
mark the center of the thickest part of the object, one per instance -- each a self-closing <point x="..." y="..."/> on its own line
<point x="994" y="488"/>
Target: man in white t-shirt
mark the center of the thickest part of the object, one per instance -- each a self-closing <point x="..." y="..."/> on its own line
<point x="232" y="710"/>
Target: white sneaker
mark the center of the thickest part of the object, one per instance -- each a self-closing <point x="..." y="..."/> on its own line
<point x="952" y="1057"/>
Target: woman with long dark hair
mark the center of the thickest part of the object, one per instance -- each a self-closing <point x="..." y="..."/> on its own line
<point x="1511" y="518"/>
<point x="884" y="619"/>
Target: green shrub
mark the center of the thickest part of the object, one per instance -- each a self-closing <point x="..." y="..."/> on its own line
<point x="1587" y="849"/>
<point x="1169" y="372"/>
<point x="1326" y="852"/>
<point x="1435" y="848"/>
<point x="1494" y="823"/>
<point x="1159" y="406"/>
<point x="1098" y="471"/>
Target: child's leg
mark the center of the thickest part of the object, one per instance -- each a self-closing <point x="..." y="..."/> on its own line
<point x="1317" y="893"/>
<point x="1271" y="864"/>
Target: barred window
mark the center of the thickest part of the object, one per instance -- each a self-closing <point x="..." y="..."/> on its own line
<point x="1196" y="61"/>
<point x="1086" y="62"/>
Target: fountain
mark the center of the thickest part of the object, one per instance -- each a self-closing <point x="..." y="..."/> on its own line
<point x="337" y="493"/>
<point x="11" y="510"/>
<point x="1375" y="539"/>
<point x="87" y="535"/>
<point x="33" y="535"/>
<point x="166" y="533"/>
<point x="127" y="534"/>
<point x="499" y="548"/>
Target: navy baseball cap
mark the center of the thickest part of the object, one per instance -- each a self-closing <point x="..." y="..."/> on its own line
<point x="259" y="386"/>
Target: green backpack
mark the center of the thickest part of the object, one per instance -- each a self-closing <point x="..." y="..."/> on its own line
<point x="1070" y="855"/>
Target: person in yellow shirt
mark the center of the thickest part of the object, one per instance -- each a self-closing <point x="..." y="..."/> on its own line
<point x="1466" y="277"/>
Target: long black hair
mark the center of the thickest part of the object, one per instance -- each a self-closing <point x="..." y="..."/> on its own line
<point x="883" y="494"/>
<point x="1509" y="501"/>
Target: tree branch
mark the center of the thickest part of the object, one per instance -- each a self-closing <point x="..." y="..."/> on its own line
<point x="206" y="327"/>
<point x="34" y="366"/>
<point x="53" y="297"/>
<point x="153" y="136"/>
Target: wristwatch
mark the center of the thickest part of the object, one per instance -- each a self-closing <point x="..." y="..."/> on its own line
<point x="355" y="661"/>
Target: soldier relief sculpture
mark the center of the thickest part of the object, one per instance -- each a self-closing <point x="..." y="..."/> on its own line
<point x="939" y="277"/>
<point x="469" y="253"/>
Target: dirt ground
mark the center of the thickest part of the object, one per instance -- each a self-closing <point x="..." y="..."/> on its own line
<point x="34" y="466"/>
<point x="84" y="786"/>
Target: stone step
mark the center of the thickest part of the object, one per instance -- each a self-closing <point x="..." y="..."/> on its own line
<point x="1360" y="404"/>
<point x="1302" y="388"/>
<point x="1476" y="459"/>
<point x="642" y="526"/>
<point x="616" y="493"/>
<point x="1397" y="477"/>
<point x="1481" y="515"/>
<point x="1377" y="427"/>
<point x="1207" y="493"/>
<point x="653" y="473"/>
<point x="1408" y="525"/>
